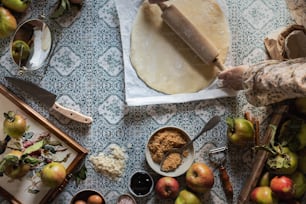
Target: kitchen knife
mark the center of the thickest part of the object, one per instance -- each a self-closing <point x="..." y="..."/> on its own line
<point x="48" y="99"/>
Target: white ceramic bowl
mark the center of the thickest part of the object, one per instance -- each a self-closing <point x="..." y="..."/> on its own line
<point x="186" y="163"/>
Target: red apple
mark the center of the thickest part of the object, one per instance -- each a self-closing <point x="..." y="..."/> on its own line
<point x="263" y="195"/>
<point x="199" y="177"/>
<point x="167" y="187"/>
<point x="282" y="186"/>
<point x="53" y="174"/>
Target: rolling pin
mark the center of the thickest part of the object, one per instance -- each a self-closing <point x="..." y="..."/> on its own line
<point x="201" y="46"/>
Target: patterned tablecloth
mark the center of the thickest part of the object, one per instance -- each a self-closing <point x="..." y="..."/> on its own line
<point x="86" y="72"/>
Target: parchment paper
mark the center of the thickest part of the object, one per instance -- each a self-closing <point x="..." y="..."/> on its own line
<point x="136" y="91"/>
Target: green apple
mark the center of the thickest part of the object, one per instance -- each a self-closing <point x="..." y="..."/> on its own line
<point x="293" y="133"/>
<point x="284" y="161"/>
<point x="187" y="197"/>
<point x="301" y="136"/>
<point x="14" y="124"/>
<point x="8" y="23"/>
<point x="299" y="181"/>
<point x="302" y="160"/>
<point x="17" y="5"/>
<point x="53" y="174"/>
<point x="16" y="170"/>
<point x="20" y="51"/>
<point x="240" y="130"/>
<point x="263" y="195"/>
<point x="300" y="105"/>
<point x="265" y="179"/>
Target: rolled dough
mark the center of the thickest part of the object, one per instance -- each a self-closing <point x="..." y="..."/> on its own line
<point x="162" y="60"/>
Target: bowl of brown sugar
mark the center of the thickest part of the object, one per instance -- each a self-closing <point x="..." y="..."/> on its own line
<point x="160" y="142"/>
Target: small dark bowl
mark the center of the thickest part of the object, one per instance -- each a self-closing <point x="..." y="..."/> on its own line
<point x="84" y="195"/>
<point x="141" y="181"/>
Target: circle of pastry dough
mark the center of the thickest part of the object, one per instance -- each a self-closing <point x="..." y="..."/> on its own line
<point x="162" y="60"/>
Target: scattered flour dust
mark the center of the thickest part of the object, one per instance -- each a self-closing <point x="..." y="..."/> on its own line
<point x="111" y="165"/>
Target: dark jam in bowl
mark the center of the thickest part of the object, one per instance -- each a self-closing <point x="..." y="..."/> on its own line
<point x="141" y="183"/>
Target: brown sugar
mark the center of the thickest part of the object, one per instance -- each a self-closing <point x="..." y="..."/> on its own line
<point x="162" y="142"/>
<point x="172" y="161"/>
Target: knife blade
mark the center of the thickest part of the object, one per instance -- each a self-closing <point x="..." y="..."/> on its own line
<point x="48" y="98"/>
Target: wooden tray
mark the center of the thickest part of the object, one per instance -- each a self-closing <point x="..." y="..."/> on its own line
<point x="17" y="191"/>
<point x="261" y="157"/>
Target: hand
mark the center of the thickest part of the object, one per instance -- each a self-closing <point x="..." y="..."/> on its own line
<point x="232" y="78"/>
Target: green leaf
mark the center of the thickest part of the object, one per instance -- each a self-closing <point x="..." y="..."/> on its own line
<point x="31" y="160"/>
<point x="266" y="148"/>
<point x="12" y="159"/>
<point x="80" y="175"/>
<point x="35" y="147"/>
<point x="68" y="6"/>
<point x="63" y="7"/>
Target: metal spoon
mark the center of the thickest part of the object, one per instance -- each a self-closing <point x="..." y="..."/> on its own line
<point x="209" y="125"/>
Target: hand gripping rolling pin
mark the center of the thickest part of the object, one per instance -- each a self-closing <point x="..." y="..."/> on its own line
<point x="202" y="47"/>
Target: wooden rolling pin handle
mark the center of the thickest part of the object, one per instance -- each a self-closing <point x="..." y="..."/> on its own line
<point x="219" y="64"/>
<point x="202" y="47"/>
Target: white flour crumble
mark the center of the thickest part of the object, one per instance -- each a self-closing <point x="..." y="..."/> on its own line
<point x="111" y="165"/>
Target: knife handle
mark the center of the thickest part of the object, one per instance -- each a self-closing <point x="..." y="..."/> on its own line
<point x="73" y="115"/>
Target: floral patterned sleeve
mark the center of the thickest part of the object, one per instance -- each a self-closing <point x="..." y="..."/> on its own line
<point x="274" y="81"/>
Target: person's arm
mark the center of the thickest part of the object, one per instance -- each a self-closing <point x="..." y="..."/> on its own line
<point x="269" y="81"/>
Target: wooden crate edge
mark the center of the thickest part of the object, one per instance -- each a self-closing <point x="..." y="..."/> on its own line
<point x="260" y="157"/>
